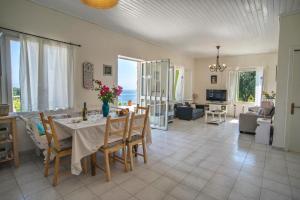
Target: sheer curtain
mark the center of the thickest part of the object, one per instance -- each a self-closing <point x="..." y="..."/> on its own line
<point x="232" y="86"/>
<point x="179" y="84"/>
<point x="259" y="85"/>
<point x="46" y="74"/>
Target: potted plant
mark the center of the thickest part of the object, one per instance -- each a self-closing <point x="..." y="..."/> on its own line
<point x="107" y="95"/>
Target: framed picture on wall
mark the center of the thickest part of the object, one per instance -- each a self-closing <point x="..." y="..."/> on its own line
<point x="88" y="72"/>
<point x="213" y="79"/>
<point x="107" y="70"/>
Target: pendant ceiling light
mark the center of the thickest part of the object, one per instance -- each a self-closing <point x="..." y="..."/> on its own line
<point x="217" y="67"/>
<point x="101" y="4"/>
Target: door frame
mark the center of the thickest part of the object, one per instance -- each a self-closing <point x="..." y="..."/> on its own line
<point x="289" y="96"/>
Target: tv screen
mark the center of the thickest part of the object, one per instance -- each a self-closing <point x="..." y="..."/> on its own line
<point x="216" y="95"/>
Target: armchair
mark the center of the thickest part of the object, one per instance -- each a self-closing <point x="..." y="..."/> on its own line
<point x="248" y="121"/>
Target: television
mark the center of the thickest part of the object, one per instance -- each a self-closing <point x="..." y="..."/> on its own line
<point x="216" y="95"/>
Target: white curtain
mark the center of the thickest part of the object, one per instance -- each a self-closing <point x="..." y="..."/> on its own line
<point x="46" y="74"/>
<point x="179" y="86"/>
<point x="232" y="86"/>
<point x="258" y="85"/>
<point x="4" y="83"/>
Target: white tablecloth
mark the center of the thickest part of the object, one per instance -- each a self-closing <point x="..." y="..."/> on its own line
<point x="87" y="137"/>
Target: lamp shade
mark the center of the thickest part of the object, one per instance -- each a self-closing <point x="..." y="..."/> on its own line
<point x="101" y="4"/>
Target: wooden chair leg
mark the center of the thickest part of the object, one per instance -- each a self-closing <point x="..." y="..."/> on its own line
<point x="84" y="165"/>
<point x="47" y="161"/>
<point x="107" y="167"/>
<point x="93" y="164"/>
<point x="144" y="151"/>
<point x="56" y="170"/>
<point x="125" y="158"/>
<point x="130" y="156"/>
<point x="136" y="149"/>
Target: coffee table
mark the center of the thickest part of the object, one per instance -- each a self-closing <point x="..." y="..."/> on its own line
<point x="221" y="116"/>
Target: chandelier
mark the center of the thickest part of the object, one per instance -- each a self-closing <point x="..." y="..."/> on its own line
<point x="101" y="4"/>
<point x="217" y="67"/>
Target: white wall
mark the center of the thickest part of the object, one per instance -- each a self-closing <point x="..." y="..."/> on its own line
<point x="99" y="46"/>
<point x="289" y="36"/>
<point x="201" y="74"/>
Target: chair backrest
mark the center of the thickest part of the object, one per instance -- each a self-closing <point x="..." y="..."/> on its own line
<point x="142" y="109"/>
<point x="138" y="122"/>
<point x="50" y="131"/>
<point x="267" y="104"/>
<point x="116" y="127"/>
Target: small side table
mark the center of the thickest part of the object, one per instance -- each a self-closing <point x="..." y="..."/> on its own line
<point x="217" y="121"/>
<point x="262" y="131"/>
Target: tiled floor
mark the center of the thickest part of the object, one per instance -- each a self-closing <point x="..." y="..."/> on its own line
<point x="192" y="160"/>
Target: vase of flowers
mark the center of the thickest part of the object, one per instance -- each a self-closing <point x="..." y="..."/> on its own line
<point x="107" y="95"/>
<point x="269" y="96"/>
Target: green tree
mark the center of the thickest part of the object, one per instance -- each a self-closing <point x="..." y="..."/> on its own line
<point x="247" y="86"/>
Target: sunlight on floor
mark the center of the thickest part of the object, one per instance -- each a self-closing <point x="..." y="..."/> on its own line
<point x="234" y="121"/>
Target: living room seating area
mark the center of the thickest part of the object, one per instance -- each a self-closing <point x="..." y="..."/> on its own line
<point x="248" y="121"/>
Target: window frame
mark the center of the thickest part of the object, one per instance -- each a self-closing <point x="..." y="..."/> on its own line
<point x="238" y="85"/>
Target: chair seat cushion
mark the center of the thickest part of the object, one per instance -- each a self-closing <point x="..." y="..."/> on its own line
<point x="112" y="144"/>
<point x="136" y="137"/>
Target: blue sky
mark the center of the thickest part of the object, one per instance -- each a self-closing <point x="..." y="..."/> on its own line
<point x="15" y="62"/>
<point x="127" y="74"/>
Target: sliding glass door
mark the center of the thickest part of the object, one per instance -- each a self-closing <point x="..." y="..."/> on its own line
<point x="155" y="91"/>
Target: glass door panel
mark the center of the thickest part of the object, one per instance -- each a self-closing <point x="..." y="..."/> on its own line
<point x="155" y="91"/>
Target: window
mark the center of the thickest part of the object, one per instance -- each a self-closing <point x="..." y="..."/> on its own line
<point x="15" y="69"/>
<point x="246" y="86"/>
<point x="37" y="75"/>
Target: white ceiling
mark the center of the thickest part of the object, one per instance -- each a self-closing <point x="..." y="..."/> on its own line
<point x="192" y="26"/>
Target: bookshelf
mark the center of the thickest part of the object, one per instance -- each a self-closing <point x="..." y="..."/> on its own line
<point x="8" y="140"/>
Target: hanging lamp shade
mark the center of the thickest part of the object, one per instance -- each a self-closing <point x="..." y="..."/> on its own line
<point x="101" y="4"/>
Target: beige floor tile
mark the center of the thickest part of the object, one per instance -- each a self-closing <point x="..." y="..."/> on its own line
<point x="247" y="190"/>
<point x="34" y="186"/>
<point x="184" y="192"/>
<point x="68" y="186"/>
<point x="196" y="182"/>
<point x="47" y="194"/>
<point x="13" y="194"/>
<point x="270" y="195"/>
<point x="101" y="186"/>
<point x="150" y="193"/>
<point x="133" y="185"/>
<point x="116" y="194"/>
<point x="164" y="184"/>
<point x="223" y="180"/>
<point x="146" y="175"/>
<point x="80" y="194"/>
<point x="217" y="191"/>
<point x="203" y="196"/>
<point x="277" y="187"/>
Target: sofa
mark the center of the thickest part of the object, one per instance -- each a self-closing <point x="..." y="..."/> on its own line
<point x="187" y="112"/>
<point x="248" y="121"/>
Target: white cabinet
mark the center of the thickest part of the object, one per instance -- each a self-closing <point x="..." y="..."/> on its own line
<point x="262" y="135"/>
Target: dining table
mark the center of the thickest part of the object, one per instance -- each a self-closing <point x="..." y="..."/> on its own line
<point x="87" y="136"/>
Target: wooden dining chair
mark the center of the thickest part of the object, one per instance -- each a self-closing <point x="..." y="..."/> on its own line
<point x="142" y="109"/>
<point x="60" y="148"/>
<point x="136" y="134"/>
<point x="114" y="140"/>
